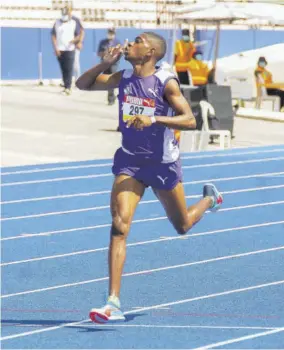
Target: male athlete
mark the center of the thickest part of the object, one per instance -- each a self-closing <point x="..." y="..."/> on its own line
<point x="151" y="106"/>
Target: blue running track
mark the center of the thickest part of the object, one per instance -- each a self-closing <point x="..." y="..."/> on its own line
<point x="221" y="286"/>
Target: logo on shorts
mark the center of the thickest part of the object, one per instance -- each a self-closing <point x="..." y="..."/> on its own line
<point x="163" y="180"/>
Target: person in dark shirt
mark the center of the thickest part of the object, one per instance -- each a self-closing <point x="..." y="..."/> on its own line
<point x="104" y="45"/>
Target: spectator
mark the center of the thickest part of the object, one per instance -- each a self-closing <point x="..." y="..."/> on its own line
<point x="66" y="34"/>
<point x="264" y="77"/>
<point x="199" y="70"/>
<point x="78" y="48"/>
<point x="184" y="50"/>
<point x="104" y="45"/>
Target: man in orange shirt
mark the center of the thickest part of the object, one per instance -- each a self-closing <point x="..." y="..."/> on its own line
<point x="266" y="79"/>
<point x="184" y="50"/>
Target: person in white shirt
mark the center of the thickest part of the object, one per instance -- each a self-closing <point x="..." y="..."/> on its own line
<point x="66" y="34"/>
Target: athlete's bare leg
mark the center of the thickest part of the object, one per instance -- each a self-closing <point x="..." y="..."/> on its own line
<point x="181" y="217"/>
<point x="126" y="194"/>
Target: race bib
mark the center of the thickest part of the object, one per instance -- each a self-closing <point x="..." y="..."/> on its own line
<point x="135" y="105"/>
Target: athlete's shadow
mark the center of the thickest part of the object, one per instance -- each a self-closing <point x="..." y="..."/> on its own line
<point x="35" y="323"/>
<point x="84" y="327"/>
<point x="40" y="324"/>
<point x="110" y="327"/>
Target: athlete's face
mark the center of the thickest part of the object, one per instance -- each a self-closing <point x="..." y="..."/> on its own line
<point x="139" y="50"/>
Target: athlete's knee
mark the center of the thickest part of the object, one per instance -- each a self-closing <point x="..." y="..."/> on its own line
<point x="183" y="228"/>
<point x="120" y="226"/>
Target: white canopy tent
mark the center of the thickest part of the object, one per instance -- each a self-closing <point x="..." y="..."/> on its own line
<point x="242" y="63"/>
<point x="238" y="70"/>
<point x="261" y="14"/>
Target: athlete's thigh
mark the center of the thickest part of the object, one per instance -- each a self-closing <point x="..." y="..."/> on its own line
<point x="125" y="196"/>
<point x="175" y="204"/>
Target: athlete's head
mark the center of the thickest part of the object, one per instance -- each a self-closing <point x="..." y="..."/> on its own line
<point x="146" y="47"/>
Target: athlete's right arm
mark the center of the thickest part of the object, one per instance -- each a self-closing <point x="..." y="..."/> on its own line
<point x="93" y="79"/>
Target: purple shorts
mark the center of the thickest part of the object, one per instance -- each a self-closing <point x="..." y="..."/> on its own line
<point x="160" y="176"/>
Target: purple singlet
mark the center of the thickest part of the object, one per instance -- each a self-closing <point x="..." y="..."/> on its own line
<point x="152" y="155"/>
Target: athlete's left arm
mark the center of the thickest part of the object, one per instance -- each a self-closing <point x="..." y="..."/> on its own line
<point x="183" y="120"/>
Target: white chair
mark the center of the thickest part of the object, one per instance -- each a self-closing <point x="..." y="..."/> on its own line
<point x="243" y="90"/>
<point x="224" y="135"/>
<point x="198" y="140"/>
<point x="189" y="140"/>
<point x="262" y="95"/>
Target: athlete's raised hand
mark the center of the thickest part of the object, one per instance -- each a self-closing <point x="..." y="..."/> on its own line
<point x="139" y="122"/>
<point x="113" y="54"/>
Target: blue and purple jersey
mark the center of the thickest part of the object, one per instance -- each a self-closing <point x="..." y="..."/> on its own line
<point x="145" y="95"/>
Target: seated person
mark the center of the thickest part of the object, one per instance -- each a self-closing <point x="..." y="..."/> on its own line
<point x="264" y="77"/>
<point x="199" y="70"/>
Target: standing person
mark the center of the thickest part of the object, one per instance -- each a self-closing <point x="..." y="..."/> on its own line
<point x="184" y="50"/>
<point x="104" y="45"/>
<point x="65" y="36"/>
<point x="78" y="48"/>
<point x="151" y="105"/>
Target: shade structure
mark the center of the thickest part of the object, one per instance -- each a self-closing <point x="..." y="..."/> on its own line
<point x="231" y="13"/>
<point x="211" y="13"/>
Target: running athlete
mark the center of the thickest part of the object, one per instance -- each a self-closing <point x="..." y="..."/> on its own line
<point x="151" y="106"/>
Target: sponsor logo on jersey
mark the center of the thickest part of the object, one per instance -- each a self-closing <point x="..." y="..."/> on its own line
<point x="146" y="102"/>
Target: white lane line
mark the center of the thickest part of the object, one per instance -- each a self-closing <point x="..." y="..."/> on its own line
<point x="41" y="133"/>
<point x="153" y="307"/>
<point x="173" y="326"/>
<point x="252" y="206"/>
<point x="146" y="325"/>
<point x="43" y="330"/>
<point x="232" y="163"/>
<point x="33" y="157"/>
<point x="237" y="340"/>
<point x="142" y="202"/>
<point x="137" y="273"/>
<point x="161" y="308"/>
<point x="86" y="228"/>
<point x="82" y="194"/>
<point x="165" y="238"/>
<point x="56" y="179"/>
<point x="36" y="170"/>
<point x="110" y="174"/>
<point x="85" y="194"/>
<point x="231" y="154"/>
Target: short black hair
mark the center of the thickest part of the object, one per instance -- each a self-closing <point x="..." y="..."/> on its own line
<point x="111" y="30"/>
<point x="262" y="59"/>
<point x="159" y="43"/>
<point x="185" y="32"/>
